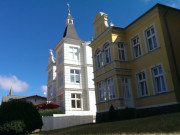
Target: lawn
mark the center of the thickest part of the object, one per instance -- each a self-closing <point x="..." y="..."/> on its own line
<point x="161" y="125"/>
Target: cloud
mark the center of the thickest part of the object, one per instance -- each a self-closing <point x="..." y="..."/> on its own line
<point x="7" y="82"/>
<point x="44" y="89"/>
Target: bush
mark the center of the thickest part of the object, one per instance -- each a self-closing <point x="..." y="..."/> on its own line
<point x="12" y="128"/>
<point x="49" y="112"/>
<point x="17" y="110"/>
<point x="127" y="113"/>
<point x="112" y="114"/>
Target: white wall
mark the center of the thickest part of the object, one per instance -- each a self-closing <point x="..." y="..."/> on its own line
<point x="84" y="64"/>
<point x="90" y="77"/>
<point x="88" y="55"/>
<point x="92" y="101"/>
<point x="64" y="121"/>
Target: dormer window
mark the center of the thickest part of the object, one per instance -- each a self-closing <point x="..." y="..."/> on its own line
<point x="70" y="21"/>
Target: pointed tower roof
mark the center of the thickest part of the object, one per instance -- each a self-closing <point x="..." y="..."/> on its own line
<point x="10" y="92"/>
<point x="70" y="31"/>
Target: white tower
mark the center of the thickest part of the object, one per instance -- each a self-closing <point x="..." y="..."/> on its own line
<point x="74" y="73"/>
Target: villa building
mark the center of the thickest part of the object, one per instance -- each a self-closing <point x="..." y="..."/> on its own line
<point x="34" y="99"/>
<point x="138" y="66"/>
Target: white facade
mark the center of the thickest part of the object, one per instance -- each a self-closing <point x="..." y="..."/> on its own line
<point x="70" y="77"/>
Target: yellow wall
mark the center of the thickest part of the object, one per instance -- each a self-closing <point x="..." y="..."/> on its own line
<point x="173" y="20"/>
<point x="147" y="60"/>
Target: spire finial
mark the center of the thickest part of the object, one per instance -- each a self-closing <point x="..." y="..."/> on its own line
<point x="68" y="8"/>
<point x="10" y="92"/>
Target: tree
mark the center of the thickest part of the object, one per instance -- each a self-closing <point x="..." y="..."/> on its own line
<point x="17" y="111"/>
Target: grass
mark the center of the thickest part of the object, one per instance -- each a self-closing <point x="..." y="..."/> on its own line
<point x="156" y="125"/>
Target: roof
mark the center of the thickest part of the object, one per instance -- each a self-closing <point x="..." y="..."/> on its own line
<point x="34" y="96"/>
<point x="117" y="28"/>
<point x="69" y="17"/>
<point x="70" y="32"/>
<point x="9" y="97"/>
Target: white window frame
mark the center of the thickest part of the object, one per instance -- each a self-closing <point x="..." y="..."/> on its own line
<point x="151" y="37"/>
<point x="74" y="74"/>
<point x="160" y="75"/>
<point x="74" y="53"/>
<point x="76" y="99"/>
<point x="125" y="86"/>
<point x="107" y="53"/>
<point x="145" y="84"/>
<point x="110" y="88"/>
<point x="101" y="91"/>
<point x="121" y="51"/>
<point x="136" y="45"/>
<point x="99" y="59"/>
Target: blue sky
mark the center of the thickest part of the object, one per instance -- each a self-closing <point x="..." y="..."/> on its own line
<point x="29" y="28"/>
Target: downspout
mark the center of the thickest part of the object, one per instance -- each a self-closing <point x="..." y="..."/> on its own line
<point x="171" y="45"/>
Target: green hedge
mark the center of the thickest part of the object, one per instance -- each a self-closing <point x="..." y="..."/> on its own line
<point x="17" y="110"/>
<point x="13" y="128"/>
<point x="49" y="112"/>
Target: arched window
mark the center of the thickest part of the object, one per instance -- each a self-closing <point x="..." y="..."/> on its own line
<point x="107" y="52"/>
<point x="99" y="59"/>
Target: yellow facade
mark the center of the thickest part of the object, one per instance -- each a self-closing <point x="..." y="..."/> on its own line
<point x="159" y="66"/>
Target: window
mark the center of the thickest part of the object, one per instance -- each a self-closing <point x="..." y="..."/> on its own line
<point x="136" y="47"/>
<point x="107" y="54"/>
<point x="158" y="79"/>
<point x="121" y="51"/>
<point x="70" y="21"/>
<point x="60" y="57"/>
<point x="76" y="100"/>
<point x="61" y="79"/>
<point x="50" y="75"/>
<point x="142" y="84"/>
<point x="99" y="60"/>
<point x="110" y="88"/>
<point x="101" y="91"/>
<point x="74" y="53"/>
<point x="74" y="74"/>
<point x="125" y="87"/>
<point x="151" y="38"/>
<point x="50" y="91"/>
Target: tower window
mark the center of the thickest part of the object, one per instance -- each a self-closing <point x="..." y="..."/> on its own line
<point x="74" y="54"/>
<point x="76" y="100"/>
<point x="75" y="77"/>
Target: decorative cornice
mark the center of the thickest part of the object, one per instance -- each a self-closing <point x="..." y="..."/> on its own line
<point x="68" y="40"/>
<point x="110" y="73"/>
